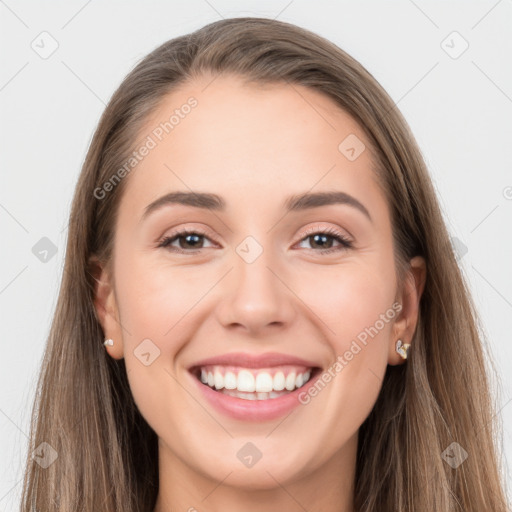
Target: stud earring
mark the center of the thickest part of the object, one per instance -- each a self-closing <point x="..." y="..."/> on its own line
<point x="402" y="348"/>
<point x="108" y="342"/>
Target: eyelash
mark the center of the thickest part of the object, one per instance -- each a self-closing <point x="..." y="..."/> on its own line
<point x="330" y="232"/>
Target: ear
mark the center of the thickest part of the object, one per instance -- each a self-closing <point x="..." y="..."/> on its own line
<point x="106" y="307"/>
<point x="409" y="296"/>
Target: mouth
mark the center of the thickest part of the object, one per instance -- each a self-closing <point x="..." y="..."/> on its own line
<point x="255" y="383"/>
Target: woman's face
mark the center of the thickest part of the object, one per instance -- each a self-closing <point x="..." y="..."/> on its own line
<point x="255" y="278"/>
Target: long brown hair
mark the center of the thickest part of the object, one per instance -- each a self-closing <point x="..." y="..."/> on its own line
<point x="107" y="455"/>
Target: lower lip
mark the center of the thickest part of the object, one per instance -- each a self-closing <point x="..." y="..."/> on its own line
<point x="254" y="410"/>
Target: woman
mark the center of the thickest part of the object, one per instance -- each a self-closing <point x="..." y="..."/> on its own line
<point x="261" y="308"/>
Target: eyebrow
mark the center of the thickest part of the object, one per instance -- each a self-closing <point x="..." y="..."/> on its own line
<point x="299" y="202"/>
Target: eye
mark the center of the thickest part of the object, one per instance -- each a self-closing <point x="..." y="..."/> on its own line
<point x="191" y="239"/>
<point x="324" y="238"/>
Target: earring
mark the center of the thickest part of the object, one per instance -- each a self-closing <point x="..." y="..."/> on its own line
<point x="402" y="348"/>
<point x="108" y="342"/>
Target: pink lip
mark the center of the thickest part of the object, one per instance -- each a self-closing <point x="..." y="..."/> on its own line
<point x="255" y="410"/>
<point x="246" y="360"/>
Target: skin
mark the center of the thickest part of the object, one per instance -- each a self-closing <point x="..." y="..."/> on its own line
<point x="254" y="146"/>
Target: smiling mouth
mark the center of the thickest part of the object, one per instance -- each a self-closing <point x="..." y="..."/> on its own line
<point x="253" y="383"/>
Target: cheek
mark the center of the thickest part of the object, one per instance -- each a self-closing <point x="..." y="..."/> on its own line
<point x="153" y="297"/>
<point x="349" y="301"/>
<point x="156" y="309"/>
<point x="355" y="308"/>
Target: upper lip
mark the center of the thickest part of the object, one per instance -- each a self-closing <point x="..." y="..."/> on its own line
<point x="246" y="360"/>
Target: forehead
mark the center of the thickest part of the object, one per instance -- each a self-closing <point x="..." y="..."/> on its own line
<point x="255" y="118"/>
<point x="251" y="142"/>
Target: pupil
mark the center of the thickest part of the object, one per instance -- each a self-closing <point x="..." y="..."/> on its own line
<point x="188" y="237"/>
<point x="323" y="237"/>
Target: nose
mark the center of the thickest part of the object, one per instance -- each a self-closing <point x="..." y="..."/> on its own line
<point x="256" y="298"/>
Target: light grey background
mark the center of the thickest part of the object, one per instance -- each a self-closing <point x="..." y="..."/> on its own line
<point x="458" y="106"/>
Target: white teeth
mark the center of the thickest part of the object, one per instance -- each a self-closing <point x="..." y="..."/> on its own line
<point x="264" y="382"/>
<point x="253" y="396"/>
<point x="246" y="381"/>
<point x="218" y="380"/>
<point x="279" y="381"/>
<point x="230" y="380"/>
<point x="259" y="385"/>
<point x="290" y="381"/>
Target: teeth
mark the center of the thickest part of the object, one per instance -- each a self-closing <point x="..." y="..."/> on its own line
<point x="279" y="381"/>
<point x="253" y="396"/>
<point x="255" y="384"/>
<point x="264" y="382"/>
<point x="230" y="380"/>
<point x="290" y="382"/>
<point x="218" y="380"/>
<point x="246" y="381"/>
